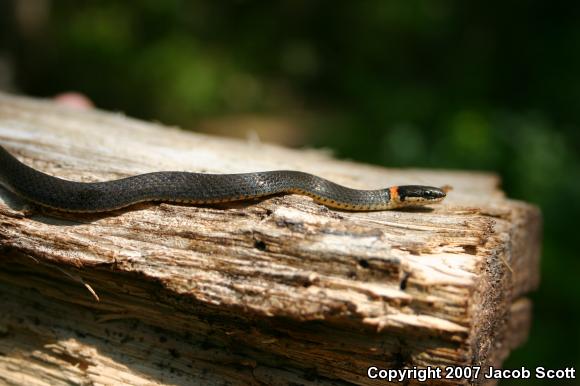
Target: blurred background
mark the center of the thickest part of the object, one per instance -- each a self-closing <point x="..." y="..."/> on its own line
<point x="488" y="85"/>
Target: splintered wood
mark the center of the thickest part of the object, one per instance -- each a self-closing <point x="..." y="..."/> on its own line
<point x="277" y="291"/>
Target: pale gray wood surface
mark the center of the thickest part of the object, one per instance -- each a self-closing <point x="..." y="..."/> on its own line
<point x="268" y="292"/>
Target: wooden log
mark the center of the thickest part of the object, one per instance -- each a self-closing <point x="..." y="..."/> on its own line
<point x="278" y="291"/>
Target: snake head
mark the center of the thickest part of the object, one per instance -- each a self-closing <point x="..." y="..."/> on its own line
<point x="417" y="194"/>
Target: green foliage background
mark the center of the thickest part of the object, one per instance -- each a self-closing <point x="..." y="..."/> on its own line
<point x="488" y="85"/>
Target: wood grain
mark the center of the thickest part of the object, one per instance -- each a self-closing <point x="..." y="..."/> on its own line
<point x="277" y="291"/>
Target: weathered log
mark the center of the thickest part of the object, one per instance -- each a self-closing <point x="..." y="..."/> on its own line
<point x="276" y="291"/>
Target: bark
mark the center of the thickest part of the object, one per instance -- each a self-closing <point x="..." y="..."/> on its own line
<point x="277" y="291"/>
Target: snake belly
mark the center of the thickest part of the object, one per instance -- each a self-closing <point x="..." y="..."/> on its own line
<point x="198" y="188"/>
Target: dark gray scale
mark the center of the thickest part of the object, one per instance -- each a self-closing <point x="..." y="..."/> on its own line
<point x="189" y="187"/>
<point x="333" y="192"/>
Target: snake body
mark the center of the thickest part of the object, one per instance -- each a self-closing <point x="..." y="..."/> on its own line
<point x="198" y="188"/>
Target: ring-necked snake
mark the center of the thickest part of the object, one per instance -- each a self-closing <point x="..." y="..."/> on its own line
<point x="199" y="188"/>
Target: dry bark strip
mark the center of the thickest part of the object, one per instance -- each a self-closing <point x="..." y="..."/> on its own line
<point x="278" y="291"/>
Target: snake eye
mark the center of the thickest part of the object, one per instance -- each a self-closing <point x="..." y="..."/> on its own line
<point x="434" y="193"/>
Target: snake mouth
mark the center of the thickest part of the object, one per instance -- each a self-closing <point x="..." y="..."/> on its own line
<point x="416" y="202"/>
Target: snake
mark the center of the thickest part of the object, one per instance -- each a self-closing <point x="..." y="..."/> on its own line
<point x="199" y="188"/>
